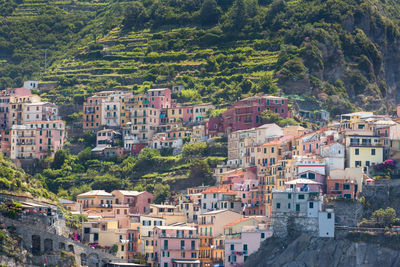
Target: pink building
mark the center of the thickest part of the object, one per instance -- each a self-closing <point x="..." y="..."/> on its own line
<point x="37" y="139"/>
<point x="245" y="113"/>
<point x="105" y="137"/>
<point x="240" y="246"/>
<point x="176" y="246"/>
<point x="138" y="202"/>
<point x="159" y="98"/>
<point x="246" y="185"/>
<point x="5" y="103"/>
<point x="214" y="127"/>
<point x="311" y="144"/>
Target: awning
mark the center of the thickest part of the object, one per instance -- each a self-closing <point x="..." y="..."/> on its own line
<point x="185" y="261"/>
<point x="302" y="181"/>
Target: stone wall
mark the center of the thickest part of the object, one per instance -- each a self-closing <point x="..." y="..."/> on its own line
<point x="292" y="224"/>
<point x="39" y="241"/>
<point x="347" y="212"/>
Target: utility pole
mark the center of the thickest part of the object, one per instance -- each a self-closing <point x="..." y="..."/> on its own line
<point x="45" y="61"/>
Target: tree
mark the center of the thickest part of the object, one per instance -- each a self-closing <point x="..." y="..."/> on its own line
<point x="59" y="159"/>
<point x="268" y="116"/>
<point x="266" y="85"/>
<point x="194" y="149"/>
<point x="200" y="171"/>
<point x="161" y="193"/>
<point x="287" y="122"/>
<point x="107" y="182"/>
<point x="147" y="158"/>
<point x="85" y="155"/>
<point x="236" y="18"/>
<point x="384" y="217"/>
<point x="89" y="139"/>
<point x="209" y="13"/>
<point x="135" y="16"/>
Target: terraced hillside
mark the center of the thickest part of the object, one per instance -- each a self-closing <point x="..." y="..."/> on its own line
<point x="119" y="61"/>
<point x="342" y="53"/>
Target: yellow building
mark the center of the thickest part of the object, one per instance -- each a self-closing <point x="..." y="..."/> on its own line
<point x="363" y="151"/>
<point x="17" y="107"/>
<point x="175" y="114"/>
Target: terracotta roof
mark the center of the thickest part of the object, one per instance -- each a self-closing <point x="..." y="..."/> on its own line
<point x="219" y="190"/>
<point x="272" y="143"/>
<point x="236" y="222"/>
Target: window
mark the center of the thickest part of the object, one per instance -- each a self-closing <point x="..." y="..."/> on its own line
<point x="311" y="205"/>
<point x="289" y="196"/>
<point x="288" y="206"/>
<point x="329" y="215"/>
<point x="346" y="187"/>
<point x="278" y="205"/>
<point x="373" y="151"/>
<point x="301" y="196"/>
<point x="232" y="247"/>
<point x="245" y="247"/>
<point x="262" y="235"/>
<point x="297" y="207"/>
<point x="357" y="151"/>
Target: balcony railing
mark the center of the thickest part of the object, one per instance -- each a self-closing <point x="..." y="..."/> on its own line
<point x="366" y="144"/>
<point x="178" y="236"/>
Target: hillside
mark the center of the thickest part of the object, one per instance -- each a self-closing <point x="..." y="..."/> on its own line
<point x="355" y="249"/>
<point x="344" y="53"/>
<point x="15" y="181"/>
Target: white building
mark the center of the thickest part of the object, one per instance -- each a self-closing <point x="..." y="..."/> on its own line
<point x="31" y="85"/>
<point x="334" y="156"/>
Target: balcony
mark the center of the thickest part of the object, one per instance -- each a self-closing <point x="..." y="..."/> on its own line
<point x="182" y="248"/>
<point x="111" y="116"/>
<point x="89" y="111"/>
<point x="364" y="144"/>
<point x="178" y="236"/>
<point x="21" y="143"/>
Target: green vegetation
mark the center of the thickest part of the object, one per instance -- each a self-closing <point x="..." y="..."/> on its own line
<point x="219" y="50"/>
<point x="381" y="218"/>
<point x="68" y="175"/>
<point x="15" y="181"/>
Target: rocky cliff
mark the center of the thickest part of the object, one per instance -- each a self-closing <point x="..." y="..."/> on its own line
<point x="353" y="249"/>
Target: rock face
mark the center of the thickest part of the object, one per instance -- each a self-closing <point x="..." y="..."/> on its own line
<point x="310" y="251"/>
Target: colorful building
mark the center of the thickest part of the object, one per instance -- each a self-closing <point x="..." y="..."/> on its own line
<point x="176" y="246"/>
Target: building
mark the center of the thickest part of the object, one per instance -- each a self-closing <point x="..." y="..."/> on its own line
<point x="301" y="211"/>
<point x="211" y="226"/>
<point x="36" y="139"/>
<point x="245" y="113"/>
<point x="363" y="151"/>
<point x="159" y="98"/>
<point x="334" y="156"/>
<point x="17" y="108"/>
<point x="241" y="244"/>
<point x="216" y="198"/>
<point x="242" y="143"/>
<point x="170" y="213"/>
<point x="176" y="246"/>
<point x="346" y="183"/>
<point x="106" y="137"/>
<point x="5" y="96"/>
<point x="40" y="111"/>
<point x="138" y="202"/>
